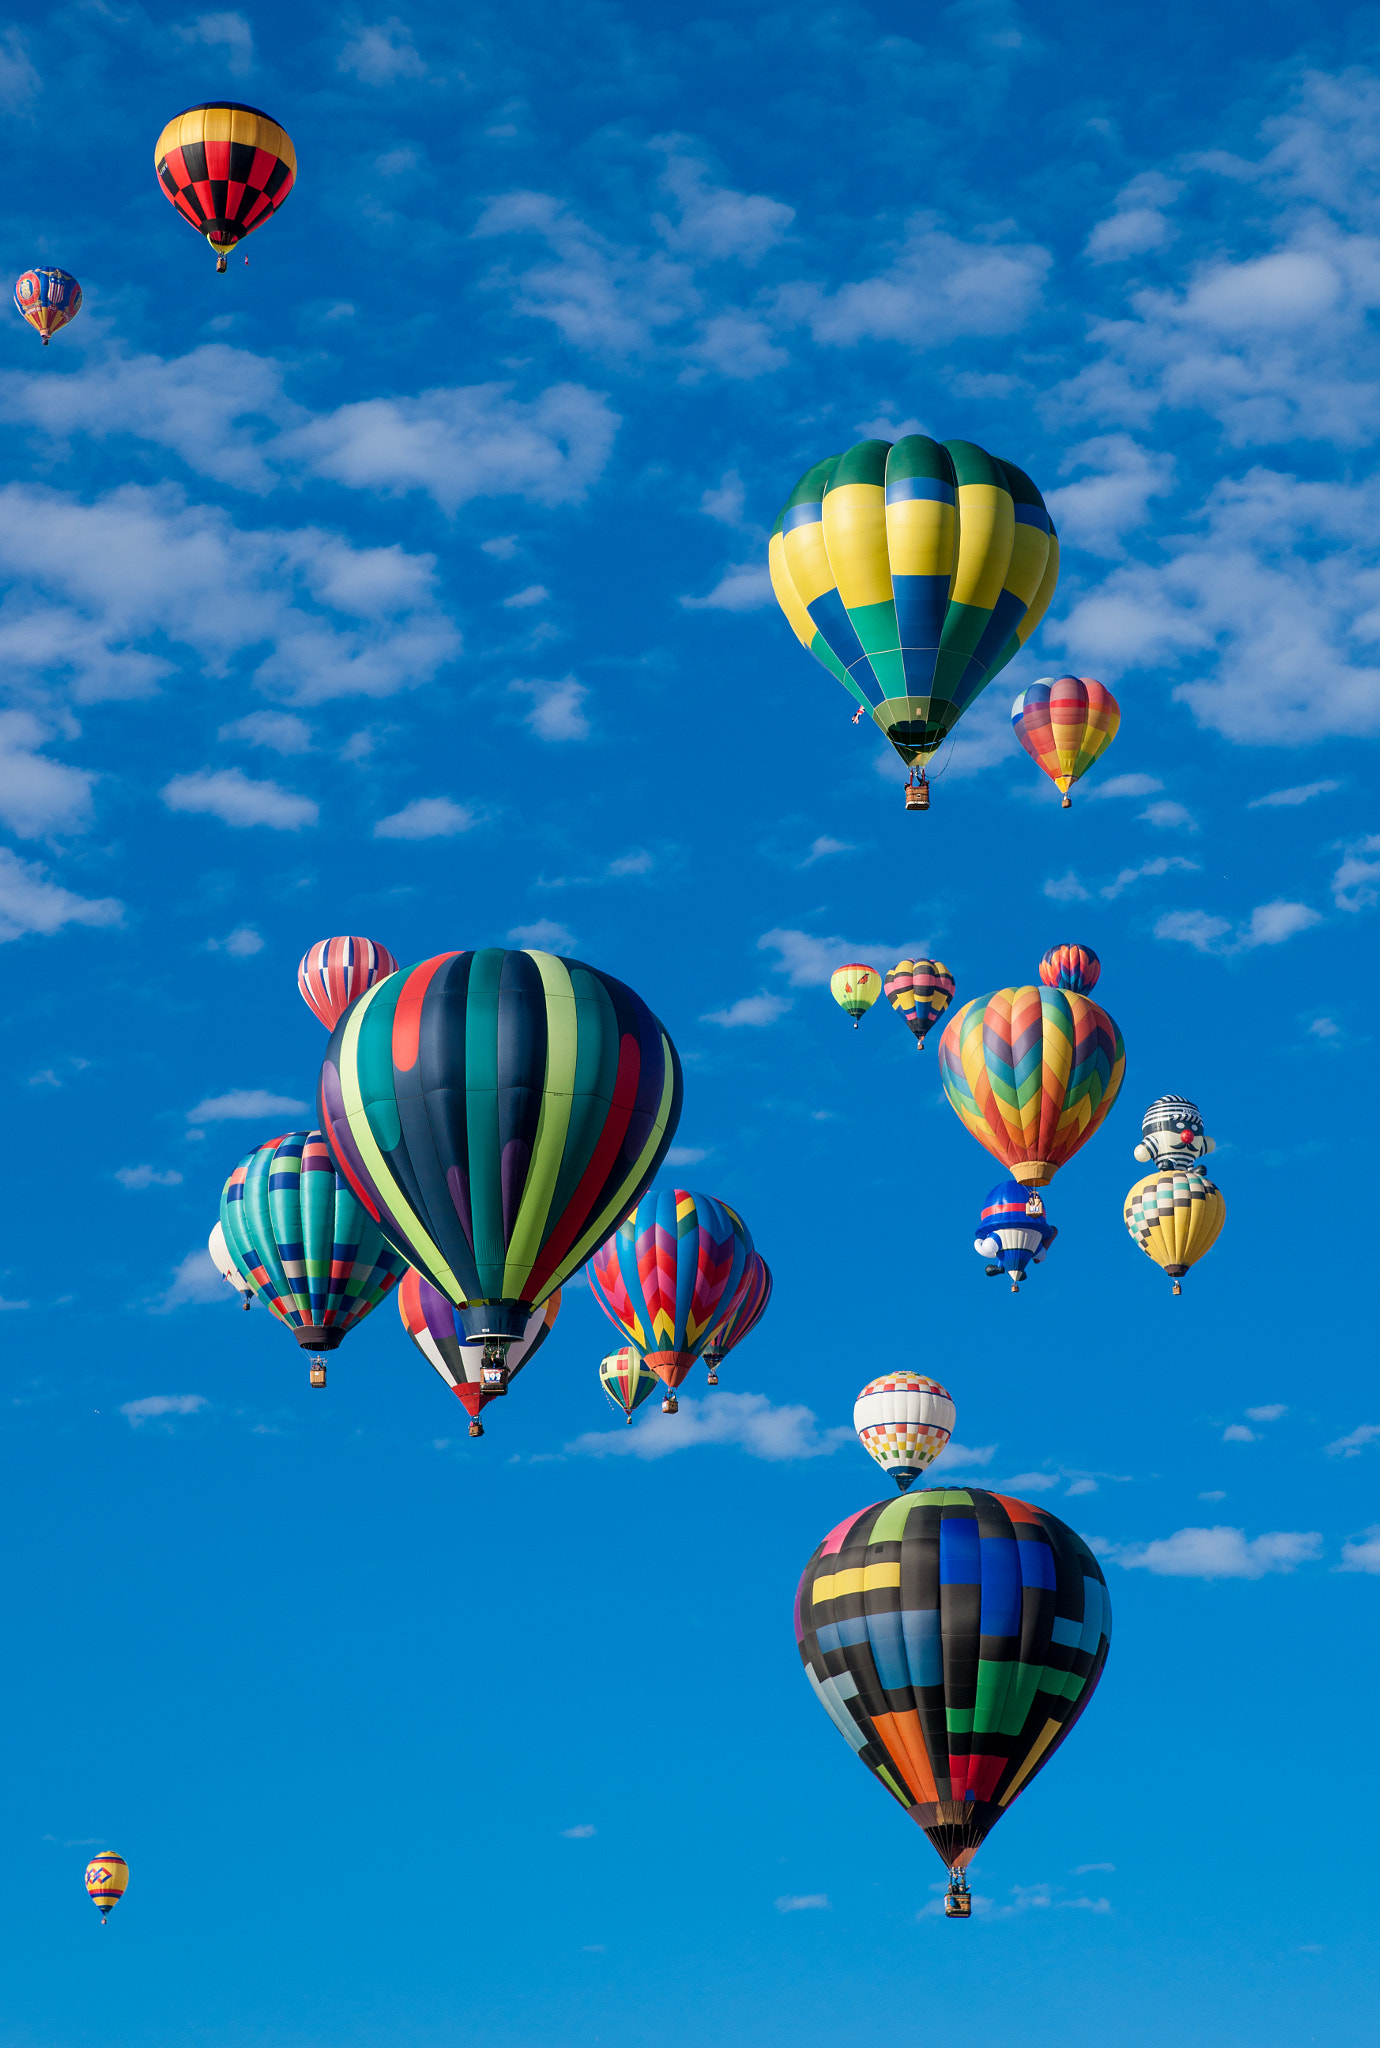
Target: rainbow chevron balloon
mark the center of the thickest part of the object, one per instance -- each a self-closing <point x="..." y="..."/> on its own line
<point x="1032" y="1072"/>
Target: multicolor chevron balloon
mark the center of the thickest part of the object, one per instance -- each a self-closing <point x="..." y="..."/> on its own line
<point x="1031" y="1073"/>
<point x="742" y="1316"/>
<point x="1065" y="724"/>
<point x="666" y="1274"/>
<point x="1075" y="967"/>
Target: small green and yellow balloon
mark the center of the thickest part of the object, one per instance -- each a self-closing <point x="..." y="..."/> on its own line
<point x="627" y="1379"/>
<point x="855" y="988"/>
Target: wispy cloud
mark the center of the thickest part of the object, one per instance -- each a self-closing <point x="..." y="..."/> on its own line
<point x="30" y="902"/>
<point x="157" y="1407"/>
<point x="231" y="796"/>
<point x="1270" y="924"/>
<point x="427" y="817"/>
<point x="803" y="1902"/>
<point x="545" y="933"/>
<point x="1301" y="793"/>
<point x="1362" y="1553"/>
<point x="556" y="714"/>
<point x="747" y="1422"/>
<point x="147" y="1177"/>
<point x="1219" y="1553"/>
<point x="752" y="1010"/>
<point x="581" y="1833"/>
<point x="1359" y="1440"/>
<point x="240" y="1104"/>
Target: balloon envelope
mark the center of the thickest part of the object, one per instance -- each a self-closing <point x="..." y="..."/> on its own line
<point x="913" y="573"/>
<point x="667" y="1272"/>
<point x="333" y="972"/>
<point x="627" y="1379"/>
<point x="306" y="1246"/>
<point x="1175" y="1215"/>
<point x="1065" y="724"/>
<point x="1032" y="1073"/>
<point x="107" y="1877"/>
<point x="434" y="1326"/>
<point x="855" y="988"/>
<point x="744" y="1312"/>
<point x="227" y="169"/>
<point x="225" y="1265"/>
<point x="919" y="991"/>
<point x="1072" y="967"/>
<point x="904" y="1421"/>
<point x="953" y="1638"/>
<point x="1172" y="1134"/>
<point x="47" y="299"/>
<point x="499" y="1113"/>
<point x="1013" y="1228"/>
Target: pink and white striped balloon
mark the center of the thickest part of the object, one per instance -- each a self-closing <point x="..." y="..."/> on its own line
<point x="334" y="971"/>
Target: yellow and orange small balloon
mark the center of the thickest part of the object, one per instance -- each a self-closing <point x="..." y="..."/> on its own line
<point x="855" y="988"/>
<point x="106" y="1878"/>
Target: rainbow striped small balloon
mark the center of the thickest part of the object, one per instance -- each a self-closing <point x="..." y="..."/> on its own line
<point x="334" y="971"/>
<point x="1065" y="723"/>
<point x="668" y="1273"/>
<point x="1075" y="967"/>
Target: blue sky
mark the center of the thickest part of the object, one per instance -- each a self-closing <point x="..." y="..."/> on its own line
<point x="411" y="581"/>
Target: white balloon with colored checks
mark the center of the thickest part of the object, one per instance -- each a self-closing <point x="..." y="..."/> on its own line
<point x="904" y="1420"/>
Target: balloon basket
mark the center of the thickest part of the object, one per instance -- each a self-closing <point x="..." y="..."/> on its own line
<point x="220" y="265"/>
<point x="317" y="1376"/>
<point x="670" y="1406"/>
<point x="1177" y="1288"/>
<point x="958" y="1900"/>
<point x="1067" y="804"/>
<point x="712" y="1378"/>
<point x="917" y="792"/>
<point x="476" y="1427"/>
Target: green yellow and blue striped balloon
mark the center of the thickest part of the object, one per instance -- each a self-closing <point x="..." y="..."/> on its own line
<point x="913" y="572"/>
<point x="499" y="1113"/>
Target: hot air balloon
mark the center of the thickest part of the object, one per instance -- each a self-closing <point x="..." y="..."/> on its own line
<point x="919" y="991"/>
<point x="1172" y="1134"/>
<point x="226" y="168"/>
<point x="311" y="1253"/>
<point x="744" y="1314"/>
<point x="913" y="573"/>
<point x="1065" y="723"/>
<point x="1012" y="1230"/>
<point x="1031" y="1073"/>
<point x="627" y="1379"/>
<point x="499" y="1113"/>
<point x="1072" y="967"/>
<point x="953" y="1638"/>
<point x="334" y="971"/>
<point x="226" y="1267"/>
<point x="904" y="1421"/>
<point x="47" y="299"/>
<point x="1175" y="1215"/>
<point x="665" y="1275"/>
<point x="434" y="1327"/>
<point x="107" y="1877"/>
<point x="855" y="989"/>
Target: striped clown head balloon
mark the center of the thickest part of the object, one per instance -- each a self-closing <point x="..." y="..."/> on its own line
<point x="1172" y="1134"/>
<point x="904" y="1421"/>
<point x="667" y="1275"/>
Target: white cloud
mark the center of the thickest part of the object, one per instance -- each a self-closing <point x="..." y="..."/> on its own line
<point x="1138" y="225"/>
<point x="639" y="862"/>
<point x="282" y="731"/>
<point x="556" y="713"/>
<point x="239" y="1104"/>
<point x="821" y="848"/>
<point x="759" y="1009"/>
<point x="1301" y="793"/>
<point x="241" y="944"/>
<point x="29" y="902"/>
<point x="1066" y="889"/>
<point x="464" y="443"/>
<point x="716" y="223"/>
<point x="1221" y="1553"/>
<point x="1216" y="1495"/>
<point x="1362" y="1554"/>
<point x="1271" y="1412"/>
<point x="725" y="500"/>
<point x="1237" y="1433"/>
<point x="1124" y="785"/>
<point x="582" y="1833"/>
<point x="808" y="962"/>
<point x="803" y="1902"/>
<point x="1086" y="1869"/>
<point x="958" y="1457"/>
<point x="1163" y="864"/>
<point x="228" y="32"/>
<point x="1167" y="814"/>
<point x="543" y="934"/>
<point x="1356" y="884"/>
<point x="685" y="1155"/>
<point x="748" y="1421"/>
<point x="381" y="53"/>
<point x="503" y="547"/>
<point x="521" y="600"/>
<point x="147" y="1177"/>
<point x="937" y="288"/>
<point x="39" y="795"/>
<point x="1324" y="1027"/>
<point x="195" y="1284"/>
<point x="614" y="301"/>
<point x="19" y="82"/>
<point x="427" y="817"/>
<point x="1112" y="498"/>
<point x="230" y="795"/>
<point x="1270" y="925"/>
<point x="744" y="589"/>
<point x="154" y="1406"/>
<point x="1353" y="1445"/>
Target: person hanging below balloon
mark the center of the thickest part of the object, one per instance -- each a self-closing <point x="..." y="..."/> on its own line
<point x="904" y="1421"/>
<point x="434" y="1327"/>
<point x="919" y="991"/>
<point x="744" y="1313"/>
<point x="309" y="1249"/>
<point x="47" y="298"/>
<point x="333" y="972"/>
<point x="1013" y="1231"/>
<point x="954" y="1637"/>
<point x="107" y="1879"/>
<point x="627" y="1380"/>
<point x="666" y="1275"/>
<point x="1032" y="1073"/>
<point x="227" y="169"/>
<point x="913" y="572"/>
<point x="226" y="1267"/>
<point x="499" y="1112"/>
<point x="855" y="988"/>
<point x="1065" y="723"/>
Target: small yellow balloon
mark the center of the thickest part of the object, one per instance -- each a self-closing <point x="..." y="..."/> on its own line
<point x="1175" y="1216"/>
<point x="855" y="988"/>
<point x="106" y="1878"/>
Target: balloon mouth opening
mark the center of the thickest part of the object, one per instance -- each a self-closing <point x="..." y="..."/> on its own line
<point x="503" y="1320"/>
<point x="319" y="1337"/>
<point x="1033" y="1173"/>
<point x="670" y="1367"/>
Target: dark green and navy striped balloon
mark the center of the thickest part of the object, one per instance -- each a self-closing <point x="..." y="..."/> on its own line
<point x="499" y="1113"/>
<point x="913" y="573"/>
